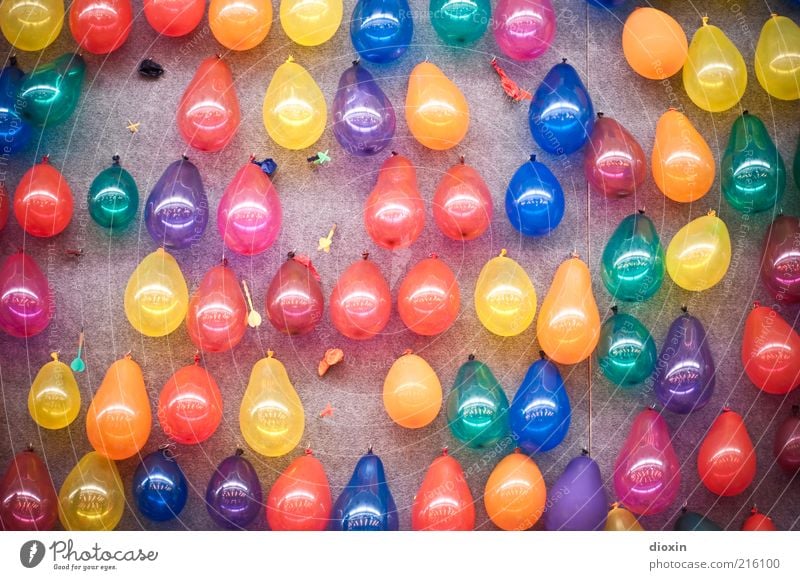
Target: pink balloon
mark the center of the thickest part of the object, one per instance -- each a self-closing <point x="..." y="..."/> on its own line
<point x="26" y="304"/>
<point x="524" y="29"/>
<point x="614" y="164"/>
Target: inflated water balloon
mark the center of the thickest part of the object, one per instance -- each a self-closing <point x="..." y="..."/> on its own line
<point x="240" y="24"/>
<point x="524" y="29"/>
<point x="614" y="162"/>
<point x="632" y="266"/>
<point x="786" y="446"/>
<point x="620" y="519"/>
<point x="699" y="255"/>
<point x="100" y="26"/>
<point x="515" y="493"/>
<point x="758" y="522"/>
<point x="294" y="297"/>
<point x="776" y="58"/>
<point x="50" y="93"/>
<point x="443" y="501"/>
<point x="626" y="352"/>
<point x="505" y="298"/>
<point x="654" y="44"/>
<point x="726" y="461"/>
<point x="26" y="301"/>
<point x="15" y="133"/>
<point x="381" y="30"/>
<point x="190" y="405"/>
<point x="113" y="197"/>
<point x="176" y="211"/>
<point x="43" y="201"/>
<point x="300" y="500"/>
<point x="31" y="26"/>
<point x="311" y="22"/>
<point x="233" y="495"/>
<point x="534" y="199"/>
<point x="174" y="17"/>
<point x="460" y="22"/>
<point x="156" y="298"/>
<point x="429" y="299"/>
<point x="437" y="112"/>
<point x="780" y="259"/>
<point x="695" y="522"/>
<point x="578" y="499"/>
<point x="771" y="351"/>
<point x="217" y="316"/>
<point x="159" y="486"/>
<point x="54" y="399"/>
<point x="361" y="301"/>
<point x="366" y="504"/>
<point x="412" y="393"/>
<point x="28" y="501"/>
<point x="462" y="203"/>
<point x="92" y="498"/>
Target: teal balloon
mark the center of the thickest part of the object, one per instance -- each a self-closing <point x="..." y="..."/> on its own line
<point x="626" y="351"/>
<point x="695" y="522"/>
<point x="460" y="22"/>
<point x="632" y="266"/>
<point x="50" y="92"/>
<point x="753" y="173"/>
<point x="477" y="406"/>
<point x="113" y="198"/>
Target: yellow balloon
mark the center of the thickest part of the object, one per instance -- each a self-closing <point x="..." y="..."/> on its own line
<point x="777" y="61"/>
<point x="156" y="299"/>
<point x="700" y="253"/>
<point x="294" y="109"/>
<point x="505" y="298"/>
<point x="240" y="24"/>
<point x="271" y="417"/>
<point x="31" y="24"/>
<point x="622" y="520"/>
<point x="54" y="399"/>
<point x="412" y="393"/>
<point x="311" y="22"/>
<point x="714" y="75"/>
<point x="92" y="497"/>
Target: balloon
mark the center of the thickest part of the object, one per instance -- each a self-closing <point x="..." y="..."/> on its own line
<point x="515" y="493"/>
<point x="217" y="316"/>
<point x="632" y="267"/>
<point x="561" y="116"/>
<point x="26" y="302"/>
<point x="381" y="30"/>
<point x="300" y="499"/>
<point x="15" y="133"/>
<point x="443" y="502"/>
<point x="505" y="298"/>
<point x="31" y="26"/>
<point x="771" y="351"/>
<point x="429" y="299"/>
<point x="113" y="198"/>
<point x="787" y="442"/>
<point x="364" y="121"/>
<point x="654" y="44"/>
<point x="607" y="4"/>
<point x="160" y="489"/>
<point x="534" y="199"/>
<point x="412" y="393"/>
<point x="100" y="26"/>
<point x="524" y="29"/>
<point x="578" y="499"/>
<point x="92" y="498"/>
<point x="4" y="201"/>
<point x="540" y="413"/>
<point x="758" y="522"/>
<point x="233" y="496"/>
<point x="715" y="75"/>
<point x="614" y="163"/>
<point x="294" y="111"/>
<point x="43" y="201"/>
<point x="620" y="519"/>
<point x="700" y="253"/>
<point x="462" y="22"/>
<point x="271" y="416"/>
<point x="647" y="472"/>
<point x="54" y="399"/>
<point x="156" y="298"/>
<point x="174" y="17"/>
<point x="361" y="301"/>
<point x="394" y="213"/>
<point x="477" y="407"/>
<point x="294" y="297"/>
<point x="682" y="162"/>
<point x="780" y="259"/>
<point x="208" y="114"/>
<point x="796" y="165"/>
<point x="437" y="112"/>
<point x="28" y="501"/>
<point x="726" y="461"/>
<point x="626" y="352"/>
<point x="685" y="374"/>
<point x="568" y="327"/>
<point x="462" y="203"/>
<point x="366" y="504"/>
<point x="311" y="22"/>
<point x="776" y="58"/>
<point x="240" y="24"/>
<point x="190" y="405"/>
<point x="176" y="211"/>
<point x="50" y="93"/>
<point x="695" y="522"/>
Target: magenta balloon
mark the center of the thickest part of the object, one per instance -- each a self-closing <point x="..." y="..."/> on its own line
<point x="614" y="163"/>
<point x="26" y="303"/>
<point x="524" y="29"/>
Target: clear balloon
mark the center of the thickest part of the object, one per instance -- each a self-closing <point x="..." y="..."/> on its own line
<point x="460" y="22"/>
<point x="626" y="352"/>
<point x="156" y="298"/>
<point x="43" y="202"/>
<point x="217" y="315"/>
<point x="515" y="493"/>
<point x="92" y="498"/>
<point x="534" y="199"/>
<point x="366" y="504"/>
<point x="361" y="301"/>
<point x="190" y="405"/>
<point x="113" y="198"/>
<point x="381" y="30"/>
<point x="786" y="446"/>
<point x="443" y="501"/>
<point x="620" y="519"/>
<point x="26" y="301"/>
<point x="776" y="58"/>
<point x="31" y="26"/>
<point x="294" y="298"/>
<point x="462" y="203"/>
<point x="429" y="299"/>
<point x="505" y="298"/>
<point x="695" y="522"/>
<point x="240" y="24"/>
<point x="54" y="400"/>
<point x="15" y="133"/>
<point x="771" y="351"/>
<point x="699" y="255"/>
<point x="100" y="26"/>
<point x="726" y="461"/>
<point x="50" y="93"/>
<point x="311" y="22"/>
<point x="300" y="500"/>
<point x="160" y="489"/>
<point x="477" y="406"/>
<point x="579" y="501"/>
<point x="654" y="44"/>
<point x="437" y="112"/>
<point x="524" y="29"/>
<point x="780" y="259"/>
<point x="174" y="17"/>
<point x="412" y="393"/>
<point x="614" y="163"/>
<point x="176" y="211"/>
<point x="233" y="495"/>
<point x="28" y="501"/>
<point x="758" y="522"/>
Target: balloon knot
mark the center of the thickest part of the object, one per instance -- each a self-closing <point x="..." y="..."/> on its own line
<point x="445" y="451"/>
<point x="462" y="159"/>
<point x="290" y="255"/>
<point x="599" y="115"/>
<point x="239" y="452"/>
<point x="542" y="355"/>
<point x="641" y="211"/>
<point x="726" y="409"/>
<point x="745" y="113"/>
<point x="128" y="356"/>
<point x="433" y="256"/>
<point x="407" y="352"/>
<point x="614" y="308"/>
<point x="308" y="451"/>
<point x="584" y="452"/>
<point x="225" y="261"/>
<point x="563" y="61"/>
<point x="795" y="410"/>
<point x="532" y="158"/>
<point x="705" y="20"/>
<point x="290" y="58"/>
<point x="471" y="357"/>
<point x="394" y="154"/>
<point x="365" y="255"/>
<point x="615" y="505"/>
<point x="12" y="60"/>
<point x="356" y="62"/>
<point x="270" y="353"/>
<point x="115" y="159"/>
<point x="684" y="509"/>
<point x="185" y="157"/>
<point x="196" y="358"/>
<point x="517" y="450"/>
<point x="753" y="510"/>
<point x="29" y="448"/>
<point x="756" y="304"/>
<point x="574" y="254"/>
<point x="712" y="213"/>
<point x="684" y="308"/>
<point x="503" y="253"/>
<point x="54" y="355"/>
<point x="369" y="449"/>
<point x="46" y="158"/>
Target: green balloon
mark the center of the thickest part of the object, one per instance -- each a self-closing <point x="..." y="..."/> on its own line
<point x="632" y="267"/>
<point x="113" y="198"/>
<point x="626" y="351"/>
<point x="460" y="22"/>
<point x="753" y="173"/>
<point x="50" y="92"/>
<point x="477" y="407"/>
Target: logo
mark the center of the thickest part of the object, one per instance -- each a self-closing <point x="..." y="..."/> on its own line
<point x="31" y="553"/>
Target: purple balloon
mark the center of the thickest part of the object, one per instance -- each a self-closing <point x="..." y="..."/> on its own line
<point x="233" y="497"/>
<point x="363" y="117"/>
<point x="176" y="212"/>
<point x="685" y="372"/>
<point x="780" y="262"/>
<point x="577" y="501"/>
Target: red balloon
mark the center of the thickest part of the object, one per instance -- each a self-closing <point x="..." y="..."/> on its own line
<point x="614" y="163"/>
<point x="26" y="303"/>
<point x="395" y="213"/>
<point x="174" y="17"/>
<point x="217" y="317"/>
<point x="758" y="522"/>
<point x="771" y="352"/>
<point x="726" y="461"/>
<point x="429" y="299"/>
<point x="43" y="201"/>
<point x="294" y="297"/>
<point x="780" y="259"/>
<point x="443" y="501"/>
<point x="28" y="500"/>
<point x="361" y="302"/>
<point x="787" y="442"/>
<point x="190" y="405"/>
<point x="462" y="204"/>
<point x="100" y="26"/>
<point x="4" y="201"/>
<point x="300" y="500"/>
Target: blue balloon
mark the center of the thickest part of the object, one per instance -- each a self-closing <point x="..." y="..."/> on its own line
<point x="534" y="199"/>
<point x="578" y="499"/>
<point x="381" y="30"/>
<point x="15" y="133"/>
<point x="606" y="3"/>
<point x="561" y="116"/>
<point x="234" y="496"/>
<point x="366" y="504"/>
<point x="176" y="212"/>
<point x="159" y="486"/>
<point x="540" y="412"/>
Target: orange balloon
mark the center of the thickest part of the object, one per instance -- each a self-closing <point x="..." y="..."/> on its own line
<point x="240" y="24"/>
<point x="436" y="110"/>
<point x="683" y="165"/>
<point x="515" y="493"/>
<point x="412" y="393"/>
<point x="654" y="44"/>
